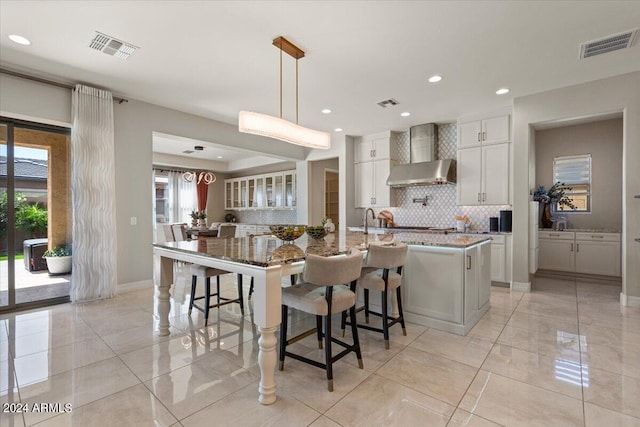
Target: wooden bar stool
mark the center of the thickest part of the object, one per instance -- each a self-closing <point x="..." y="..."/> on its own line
<point x="378" y="275"/>
<point x="323" y="293"/>
<point x="206" y="273"/>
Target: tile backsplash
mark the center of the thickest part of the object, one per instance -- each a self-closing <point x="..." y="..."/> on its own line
<point x="441" y="208"/>
<point x="267" y="217"/>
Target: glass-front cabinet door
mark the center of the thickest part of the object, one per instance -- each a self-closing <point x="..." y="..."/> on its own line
<point x="289" y="189"/>
<point x="244" y="196"/>
<point x="270" y="201"/>
<point x="278" y="190"/>
<point x="228" y="191"/>
<point x="236" y="194"/>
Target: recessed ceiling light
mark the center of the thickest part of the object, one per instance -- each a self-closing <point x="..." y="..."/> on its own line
<point x="405" y="114"/>
<point x="19" y="39"/>
<point x="435" y="79"/>
<point x="326" y="111"/>
<point x="338" y="129"/>
<point x="502" y="91"/>
<point x="219" y="157"/>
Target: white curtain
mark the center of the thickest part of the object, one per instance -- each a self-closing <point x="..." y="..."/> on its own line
<point x="182" y="198"/>
<point x="93" y="195"/>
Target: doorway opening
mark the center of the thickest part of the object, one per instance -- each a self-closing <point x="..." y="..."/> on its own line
<point x="35" y="213"/>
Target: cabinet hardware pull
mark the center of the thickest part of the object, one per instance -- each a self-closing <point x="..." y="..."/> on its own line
<point x="468" y="262"/>
<point x="478" y="196"/>
<point x="577" y="247"/>
<point x="370" y="153"/>
<point x="484" y="197"/>
<point x="554" y="235"/>
<point x="597" y="237"/>
<point x="375" y="153"/>
<point x="478" y="136"/>
<point x="484" y="136"/>
<point x="572" y="247"/>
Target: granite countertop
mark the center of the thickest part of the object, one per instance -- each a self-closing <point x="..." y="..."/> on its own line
<point x="583" y="230"/>
<point x="266" y="251"/>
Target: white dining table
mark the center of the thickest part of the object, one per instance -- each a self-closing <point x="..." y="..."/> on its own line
<point x="266" y="260"/>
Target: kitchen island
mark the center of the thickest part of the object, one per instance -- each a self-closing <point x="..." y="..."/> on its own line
<point x="268" y="260"/>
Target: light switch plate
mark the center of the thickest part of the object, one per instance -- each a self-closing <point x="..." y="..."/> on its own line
<point x="134" y="220"/>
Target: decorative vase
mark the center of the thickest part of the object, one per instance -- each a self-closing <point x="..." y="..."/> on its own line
<point x="545" y="218"/>
<point x="330" y="226"/>
<point x="203" y="223"/>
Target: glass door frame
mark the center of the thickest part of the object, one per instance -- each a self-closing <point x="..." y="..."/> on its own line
<point x="12" y="124"/>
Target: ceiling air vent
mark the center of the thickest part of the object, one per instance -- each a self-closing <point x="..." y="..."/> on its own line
<point x="112" y="46"/>
<point x="608" y="44"/>
<point x="388" y="103"/>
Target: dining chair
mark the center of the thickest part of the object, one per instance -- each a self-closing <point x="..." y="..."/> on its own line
<point x="226" y="231"/>
<point x="378" y="274"/>
<point x="179" y="232"/>
<point x="323" y="293"/>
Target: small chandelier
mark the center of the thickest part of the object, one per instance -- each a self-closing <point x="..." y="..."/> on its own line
<point x="278" y="128"/>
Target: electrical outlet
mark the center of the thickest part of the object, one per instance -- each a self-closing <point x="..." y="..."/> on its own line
<point x="134" y="220"/>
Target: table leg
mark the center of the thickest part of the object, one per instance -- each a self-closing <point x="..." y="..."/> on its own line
<point x="163" y="303"/>
<point x="267" y="296"/>
<point x="267" y="360"/>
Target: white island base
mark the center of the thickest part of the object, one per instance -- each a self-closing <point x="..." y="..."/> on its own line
<point x="447" y="288"/>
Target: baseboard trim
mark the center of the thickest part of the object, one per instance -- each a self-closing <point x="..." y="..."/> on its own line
<point x="521" y="286"/>
<point x="629" y="301"/>
<point x="134" y="286"/>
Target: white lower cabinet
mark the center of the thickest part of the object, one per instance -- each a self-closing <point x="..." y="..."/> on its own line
<point x="556" y="255"/>
<point x="580" y="252"/>
<point x="445" y="288"/>
<point x="598" y="257"/>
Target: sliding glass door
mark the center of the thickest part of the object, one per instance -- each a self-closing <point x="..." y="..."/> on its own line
<point x="35" y="212"/>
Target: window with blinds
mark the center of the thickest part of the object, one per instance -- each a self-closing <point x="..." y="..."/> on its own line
<point x="575" y="173"/>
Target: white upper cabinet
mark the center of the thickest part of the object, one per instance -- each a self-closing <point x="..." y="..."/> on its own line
<point x="371" y="184"/>
<point x="375" y="147"/>
<point x="483" y="175"/>
<point x="493" y="130"/>
<point x="484" y="161"/>
<point x="269" y="191"/>
<point x="375" y="155"/>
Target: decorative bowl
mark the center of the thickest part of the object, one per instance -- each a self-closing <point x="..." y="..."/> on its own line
<point x="317" y="231"/>
<point x="288" y="233"/>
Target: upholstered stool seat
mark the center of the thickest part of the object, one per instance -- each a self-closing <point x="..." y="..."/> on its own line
<point x="312" y="299"/>
<point x="382" y="272"/>
<point x="322" y="293"/>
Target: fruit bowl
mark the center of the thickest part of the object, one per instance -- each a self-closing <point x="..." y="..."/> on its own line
<point x="288" y="233"/>
<point x="317" y="231"/>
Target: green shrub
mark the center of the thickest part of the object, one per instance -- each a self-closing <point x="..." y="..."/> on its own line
<point x="57" y="251"/>
<point x="32" y="219"/>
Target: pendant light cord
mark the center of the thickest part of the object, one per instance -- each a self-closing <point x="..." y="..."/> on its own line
<point x="296" y="90"/>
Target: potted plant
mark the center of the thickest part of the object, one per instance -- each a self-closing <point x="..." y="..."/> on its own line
<point x="203" y="219"/>
<point x="550" y="200"/>
<point x="58" y="260"/>
<point x="195" y="216"/>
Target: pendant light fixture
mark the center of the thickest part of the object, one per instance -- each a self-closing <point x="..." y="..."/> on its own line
<point x="278" y="128"/>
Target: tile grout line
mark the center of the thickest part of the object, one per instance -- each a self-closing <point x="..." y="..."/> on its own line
<point x="485" y="359"/>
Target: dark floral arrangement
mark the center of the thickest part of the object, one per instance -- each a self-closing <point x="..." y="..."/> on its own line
<point x="555" y="194"/>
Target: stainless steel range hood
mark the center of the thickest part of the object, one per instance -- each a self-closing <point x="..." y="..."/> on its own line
<point x="423" y="169"/>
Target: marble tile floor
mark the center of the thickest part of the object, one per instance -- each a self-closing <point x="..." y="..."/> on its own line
<point x="565" y="354"/>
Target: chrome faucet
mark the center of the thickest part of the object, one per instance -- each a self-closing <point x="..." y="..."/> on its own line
<point x="366" y="223"/>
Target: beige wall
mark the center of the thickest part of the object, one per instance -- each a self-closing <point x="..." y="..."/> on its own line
<point x="601" y="139"/>
<point x="592" y="99"/>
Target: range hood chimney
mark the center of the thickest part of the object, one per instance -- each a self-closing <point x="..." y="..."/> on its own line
<point x="423" y="169"/>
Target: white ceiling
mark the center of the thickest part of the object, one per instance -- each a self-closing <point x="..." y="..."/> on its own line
<point x="215" y="58"/>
